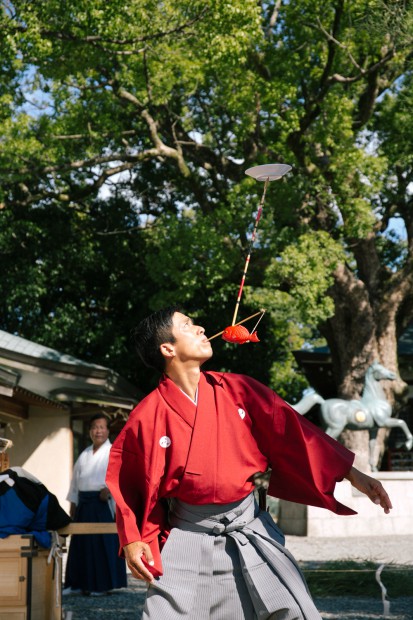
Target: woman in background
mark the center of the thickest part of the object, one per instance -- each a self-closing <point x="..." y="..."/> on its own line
<point x="93" y="565"/>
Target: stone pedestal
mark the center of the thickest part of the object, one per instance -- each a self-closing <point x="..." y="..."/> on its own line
<point x="300" y="520"/>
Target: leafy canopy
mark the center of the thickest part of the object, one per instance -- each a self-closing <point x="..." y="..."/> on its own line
<point x="125" y="132"/>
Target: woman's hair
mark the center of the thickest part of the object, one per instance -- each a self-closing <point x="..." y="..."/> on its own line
<point x="150" y="333"/>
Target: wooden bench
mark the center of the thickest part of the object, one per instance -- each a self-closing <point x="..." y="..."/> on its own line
<point x="88" y="528"/>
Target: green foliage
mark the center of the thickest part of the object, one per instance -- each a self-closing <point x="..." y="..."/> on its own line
<point x="306" y="268"/>
<point x="193" y="247"/>
<point x="125" y="132"/>
<point x="66" y="281"/>
<point x="345" y="578"/>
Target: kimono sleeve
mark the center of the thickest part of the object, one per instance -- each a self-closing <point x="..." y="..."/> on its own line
<point x="73" y="495"/>
<point x="123" y="480"/>
<point x="306" y="463"/>
<point x="133" y="478"/>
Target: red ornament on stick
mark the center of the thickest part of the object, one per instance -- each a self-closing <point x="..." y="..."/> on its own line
<point x="239" y="334"/>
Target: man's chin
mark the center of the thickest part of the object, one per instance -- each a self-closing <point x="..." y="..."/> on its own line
<point x="207" y="356"/>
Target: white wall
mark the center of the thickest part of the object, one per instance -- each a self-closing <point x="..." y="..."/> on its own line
<point x="370" y="520"/>
<point x="43" y="445"/>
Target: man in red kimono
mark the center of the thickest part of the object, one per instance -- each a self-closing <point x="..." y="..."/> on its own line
<point x="181" y="473"/>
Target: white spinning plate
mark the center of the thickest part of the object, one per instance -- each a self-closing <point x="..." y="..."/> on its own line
<point x="272" y="172"/>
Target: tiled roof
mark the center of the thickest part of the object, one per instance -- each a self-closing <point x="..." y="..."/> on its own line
<point x="15" y="344"/>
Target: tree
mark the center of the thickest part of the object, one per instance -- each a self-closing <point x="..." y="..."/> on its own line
<point x="175" y="100"/>
<point x="91" y="79"/>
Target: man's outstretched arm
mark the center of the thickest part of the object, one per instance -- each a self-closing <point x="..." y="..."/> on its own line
<point x="371" y="487"/>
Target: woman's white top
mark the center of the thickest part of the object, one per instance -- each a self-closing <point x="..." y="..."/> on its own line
<point x="89" y="471"/>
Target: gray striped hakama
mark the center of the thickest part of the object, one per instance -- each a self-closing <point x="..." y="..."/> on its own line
<point x="227" y="565"/>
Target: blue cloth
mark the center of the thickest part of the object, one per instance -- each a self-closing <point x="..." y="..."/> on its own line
<point x="16" y="518"/>
<point x="27" y="507"/>
<point x="93" y="563"/>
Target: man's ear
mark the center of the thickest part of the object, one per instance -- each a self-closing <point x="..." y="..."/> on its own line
<point x="167" y="349"/>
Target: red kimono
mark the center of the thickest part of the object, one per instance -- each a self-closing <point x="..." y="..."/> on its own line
<point x="208" y="453"/>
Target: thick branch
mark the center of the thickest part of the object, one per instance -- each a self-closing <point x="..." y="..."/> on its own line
<point x="361" y="71"/>
<point x="209" y="159"/>
<point x="399" y="289"/>
<point x="332" y="38"/>
<point x="331" y="46"/>
<point x="86" y="136"/>
<point x="350" y="333"/>
<point x="368" y="263"/>
<point x="83" y="163"/>
<point x="162" y="149"/>
<point x="67" y="195"/>
<point x="375" y="67"/>
<point x="66" y="35"/>
<point x="273" y="18"/>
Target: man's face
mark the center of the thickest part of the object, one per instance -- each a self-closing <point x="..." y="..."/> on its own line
<point x="190" y="340"/>
<point x="99" y="432"/>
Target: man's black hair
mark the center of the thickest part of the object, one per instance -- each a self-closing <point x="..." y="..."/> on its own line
<point x="99" y="416"/>
<point x="151" y="332"/>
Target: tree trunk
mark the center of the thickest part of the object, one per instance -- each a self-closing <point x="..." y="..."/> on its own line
<point x="358" y="442"/>
<point x="359" y="333"/>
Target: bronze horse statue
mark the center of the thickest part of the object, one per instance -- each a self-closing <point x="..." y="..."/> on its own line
<point x="371" y="412"/>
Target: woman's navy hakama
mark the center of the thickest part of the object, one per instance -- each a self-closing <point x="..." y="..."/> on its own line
<point x="93" y="563"/>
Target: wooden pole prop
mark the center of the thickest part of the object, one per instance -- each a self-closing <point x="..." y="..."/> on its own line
<point x="267" y="173"/>
<point x="247" y="262"/>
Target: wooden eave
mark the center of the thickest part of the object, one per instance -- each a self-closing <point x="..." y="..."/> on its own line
<point x="31" y="398"/>
<point x="102" y="399"/>
<point x="17" y="405"/>
<point x="11" y="409"/>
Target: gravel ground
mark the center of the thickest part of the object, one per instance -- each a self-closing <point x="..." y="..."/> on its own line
<point x="380" y="549"/>
<point x="127" y="604"/>
<point x="387" y="550"/>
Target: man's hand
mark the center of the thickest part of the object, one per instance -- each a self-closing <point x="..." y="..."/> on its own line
<point x="133" y="554"/>
<point x="72" y="510"/>
<point x="104" y="494"/>
<point x="371" y="487"/>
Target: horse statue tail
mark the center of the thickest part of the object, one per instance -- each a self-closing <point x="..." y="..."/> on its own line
<point x="307" y="402"/>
